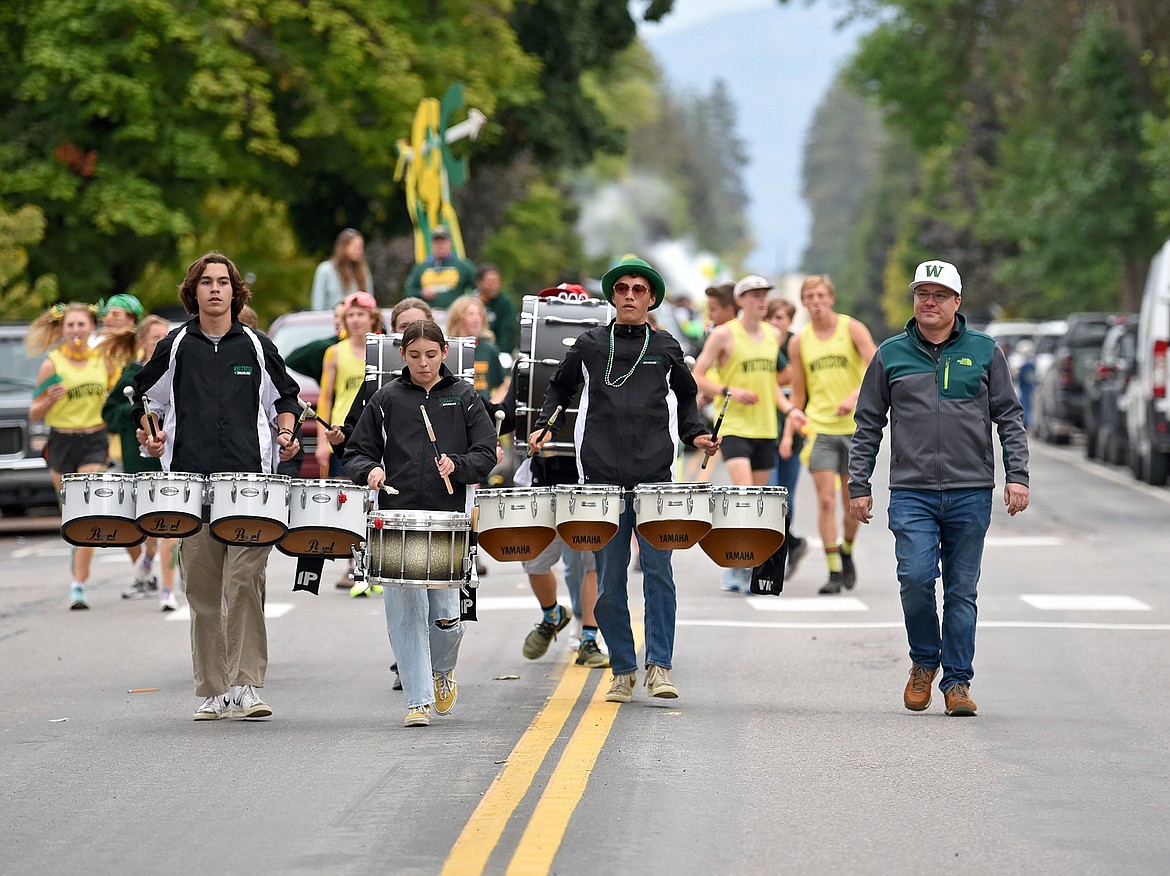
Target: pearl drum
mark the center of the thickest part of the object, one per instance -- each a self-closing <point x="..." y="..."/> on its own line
<point x="548" y="327"/>
<point x="384" y="358"/>
<point x="673" y="516"/>
<point x="326" y="518"/>
<point x="516" y="524"/>
<point x="169" y="504"/>
<point x="97" y="510"/>
<point x="430" y="549"/>
<point x="248" y="509"/>
<point x="747" y="525"/>
<point x="587" y="516"/>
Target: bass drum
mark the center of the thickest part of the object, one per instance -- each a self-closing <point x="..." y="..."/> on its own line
<point x="384" y="358"/>
<point x="547" y="328"/>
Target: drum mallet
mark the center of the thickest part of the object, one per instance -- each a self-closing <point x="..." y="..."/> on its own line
<point x="543" y="432"/>
<point x="718" y="423"/>
<point x="389" y="490"/>
<point x="435" y="446"/>
<point x="499" y="417"/>
<point x="309" y="412"/>
<point x="129" y="393"/>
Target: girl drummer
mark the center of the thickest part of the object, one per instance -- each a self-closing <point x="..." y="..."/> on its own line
<point x="71" y="386"/>
<point x="391" y="445"/>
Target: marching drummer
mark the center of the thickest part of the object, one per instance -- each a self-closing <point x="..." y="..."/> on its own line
<point x="220" y="386"/>
<point x="638" y="403"/>
<point x="393" y="442"/>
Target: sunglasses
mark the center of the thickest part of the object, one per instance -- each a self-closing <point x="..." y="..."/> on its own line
<point x="623" y="288"/>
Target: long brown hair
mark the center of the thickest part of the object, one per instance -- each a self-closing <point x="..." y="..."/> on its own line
<point x="45" y="332"/>
<point x="455" y="316"/>
<point x="240" y="291"/>
<point x="351" y="272"/>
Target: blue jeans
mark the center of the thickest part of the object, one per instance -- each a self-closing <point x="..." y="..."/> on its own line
<point x="934" y="529"/>
<point x="421" y="646"/>
<point x="574" y="572"/>
<point x="613" y="602"/>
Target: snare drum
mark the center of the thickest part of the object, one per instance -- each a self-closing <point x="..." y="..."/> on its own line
<point x="587" y="516"/>
<point x="673" y="516"/>
<point x="516" y="524"/>
<point x="326" y="518"/>
<point x="747" y="525"/>
<point x="169" y="504"/>
<point x="97" y="510"/>
<point x="429" y="549"/>
<point x="248" y="509"/>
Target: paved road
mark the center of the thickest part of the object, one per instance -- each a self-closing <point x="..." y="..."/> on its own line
<point x="788" y="751"/>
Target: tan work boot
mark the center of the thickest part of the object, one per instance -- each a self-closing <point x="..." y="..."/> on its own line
<point x="916" y="697"/>
<point x="622" y="689"/>
<point x="959" y="702"/>
<point x="659" y="684"/>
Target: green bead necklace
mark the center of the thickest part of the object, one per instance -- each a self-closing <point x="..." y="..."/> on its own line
<point x="609" y="381"/>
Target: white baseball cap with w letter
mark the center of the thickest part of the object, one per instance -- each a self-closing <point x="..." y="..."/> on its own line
<point x="942" y="273"/>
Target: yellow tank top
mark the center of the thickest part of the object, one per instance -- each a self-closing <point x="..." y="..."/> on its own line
<point x="351" y="371"/>
<point x="86" y="388"/>
<point x="751" y="365"/>
<point x="832" y="370"/>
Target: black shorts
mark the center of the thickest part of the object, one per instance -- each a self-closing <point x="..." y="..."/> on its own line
<point x="761" y="452"/>
<point x="68" y="452"/>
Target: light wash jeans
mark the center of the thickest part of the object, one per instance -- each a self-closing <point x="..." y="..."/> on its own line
<point x="613" y="602"/>
<point x="944" y="529"/>
<point x="419" y="644"/>
<point x="574" y="571"/>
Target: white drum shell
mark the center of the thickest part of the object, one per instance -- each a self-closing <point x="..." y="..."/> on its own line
<point x="325" y="518"/>
<point x="747" y="525"/>
<point x="516" y="524"/>
<point x="97" y="510"/>
<point x="673" y="516"/>
<point x="587" y="515"/>
<point x="248" y="509"/>
<point x="169" y="504"/>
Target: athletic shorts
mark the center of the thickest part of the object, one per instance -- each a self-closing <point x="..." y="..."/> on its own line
<point x="69" y="452"/>
<point x="761" y="452"/>
<point x="830" y="453"/>
<point x="543" y="562"/>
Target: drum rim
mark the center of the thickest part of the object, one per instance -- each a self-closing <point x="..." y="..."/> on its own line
<point x="671" y="487"/>
<point x="249" y="476"/>
<point x="587" y="488"/>
<point x="98" y="476"/>
<point x="451" y="516"/>
<point x="170" y="476"/>
<point x="505" y="492"/>
<point x="748" y="490"/>
<point x="326" y="483"/>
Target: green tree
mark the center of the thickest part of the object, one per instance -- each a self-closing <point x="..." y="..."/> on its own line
<point x="20" y="229"/>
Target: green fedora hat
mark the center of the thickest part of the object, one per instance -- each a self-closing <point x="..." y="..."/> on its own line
<point x="639" y="267"/>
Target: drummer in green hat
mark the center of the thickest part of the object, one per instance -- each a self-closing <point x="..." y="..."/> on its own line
<point x="634" y="267"/>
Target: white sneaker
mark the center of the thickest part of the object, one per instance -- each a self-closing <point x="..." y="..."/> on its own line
<point x="212" y="708"/>
<point x="246" y="703"/>
<point x="167" y="601"/>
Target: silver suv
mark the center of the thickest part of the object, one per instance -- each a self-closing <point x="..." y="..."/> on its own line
<point x="24" y="475"/>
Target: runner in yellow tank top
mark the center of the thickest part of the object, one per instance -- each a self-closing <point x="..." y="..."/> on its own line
<point x="829" y="358"/>
<point x="342" y="373"/>
<point x="745" y="352"/>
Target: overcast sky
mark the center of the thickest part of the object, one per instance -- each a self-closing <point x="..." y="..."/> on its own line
<point x="777" y="61"/>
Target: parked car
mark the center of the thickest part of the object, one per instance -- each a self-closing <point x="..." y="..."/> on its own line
<point x="1147" y="409"/>
<point x="24" y="475"/>
<point x="1059" y="396"/>
<point x="1048" y="336"/>
<point x="1104" y="388"/>
<point x="288" y="332"/>
<point x="1009" y="333"/>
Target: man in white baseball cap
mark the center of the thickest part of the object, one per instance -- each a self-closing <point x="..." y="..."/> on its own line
<point x="744" y="353"/>
<point x="946" y="386"/>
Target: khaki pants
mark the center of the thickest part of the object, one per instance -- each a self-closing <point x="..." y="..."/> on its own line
<point x="225" y="591"/>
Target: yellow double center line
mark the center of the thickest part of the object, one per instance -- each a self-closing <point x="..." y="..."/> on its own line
<point x="546" y="828"/>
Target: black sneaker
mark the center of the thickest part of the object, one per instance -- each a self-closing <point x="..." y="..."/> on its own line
<point x="833" y="585"/>
<point x="848" y="572"/>
<point x="536" y="643"/>
<point x="397" y="678"/>
<point x="797" y="548"/>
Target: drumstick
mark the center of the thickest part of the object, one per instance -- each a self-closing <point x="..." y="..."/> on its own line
<point x="499" y="423"/>
<point x="129" y="393"/>
<point x="556" y="412"/>
<point x="389" y="490"/>
<point x="310" y="411"/>
<point x="435" y="446"/>
<point x="718" y="423"/>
